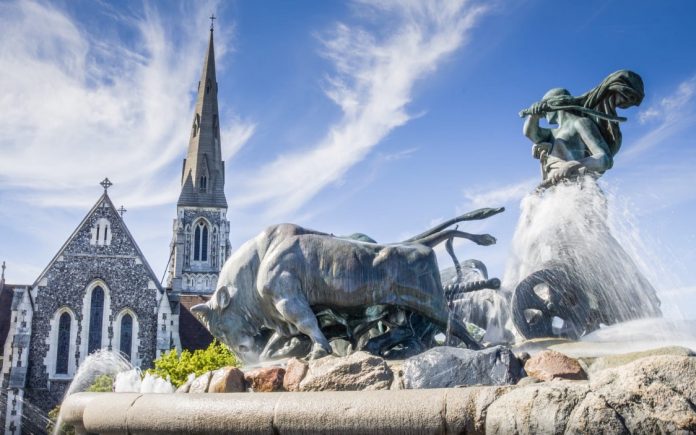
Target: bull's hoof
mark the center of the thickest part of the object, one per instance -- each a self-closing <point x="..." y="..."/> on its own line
<point x="318" y="351"/>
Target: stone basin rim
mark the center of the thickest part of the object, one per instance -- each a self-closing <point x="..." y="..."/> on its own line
<point x="438" y="410"/>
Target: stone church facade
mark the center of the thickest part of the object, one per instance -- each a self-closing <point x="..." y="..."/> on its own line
<point x="99" y="292"/>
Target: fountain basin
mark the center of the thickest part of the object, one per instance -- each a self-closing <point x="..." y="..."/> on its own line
<point x="653" y="394"/>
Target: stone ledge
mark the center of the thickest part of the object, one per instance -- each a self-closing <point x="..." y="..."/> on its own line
<point x="650" y="395"/>
<point x="345" y="412"/>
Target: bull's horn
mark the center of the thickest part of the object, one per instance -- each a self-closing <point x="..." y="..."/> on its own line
<point x="202" y="311"/>
<point x="479" y="214"/>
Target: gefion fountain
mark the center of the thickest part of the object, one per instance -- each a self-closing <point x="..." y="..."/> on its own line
<point x="348" y="335"/>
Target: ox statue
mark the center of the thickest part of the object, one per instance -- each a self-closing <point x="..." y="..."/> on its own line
<point x="278" y="281"/>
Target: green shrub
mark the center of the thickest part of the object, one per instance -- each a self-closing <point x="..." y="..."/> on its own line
<point x="102" y="384"/>
<point x="177" y="367"/>
<point x="53" y="418"/>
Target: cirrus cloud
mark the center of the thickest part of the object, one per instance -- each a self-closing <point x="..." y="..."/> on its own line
<point x="375" y="73"/>
<point x="79" y="105"/>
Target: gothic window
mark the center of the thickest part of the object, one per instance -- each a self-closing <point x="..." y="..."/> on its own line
<point x="197" y="244"/>
<point x="204" y="247"/>
<point x="95" y="320"/>
<point x="126" y="341"/>
<point x="203" y="185"/>
<point x="207" y="86"/>
<point x="200" y="242"/>
<point x="63" y="348"/>
<point x="215" y="125"/>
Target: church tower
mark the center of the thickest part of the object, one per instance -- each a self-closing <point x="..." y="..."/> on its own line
<point x="200" y="244"/>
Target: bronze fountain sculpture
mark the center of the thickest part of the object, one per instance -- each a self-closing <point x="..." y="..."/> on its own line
<point x="581" y="292"/>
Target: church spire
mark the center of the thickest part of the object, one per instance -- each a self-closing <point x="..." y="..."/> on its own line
<point x="203" y="173"/>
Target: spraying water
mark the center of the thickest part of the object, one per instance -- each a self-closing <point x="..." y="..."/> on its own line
<point x="101" y="362"/>
<point x="126" y="377"/>
<point x="564" y="238"/>
<point x="34" y="419"/>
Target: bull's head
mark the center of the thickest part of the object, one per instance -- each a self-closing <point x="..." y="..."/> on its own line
<point x="226" y="323"/>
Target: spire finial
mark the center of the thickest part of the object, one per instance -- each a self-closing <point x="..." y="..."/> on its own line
<point x="212" y="17"/>
<point x="2" y="278"/>
<point x="122" y="210"/>
<point x="106" y="183"/>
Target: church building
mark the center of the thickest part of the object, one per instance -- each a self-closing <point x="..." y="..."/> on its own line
<point x="99" y="292"/>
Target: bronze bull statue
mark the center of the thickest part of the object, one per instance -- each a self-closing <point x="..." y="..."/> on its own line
<point x="278" y="279"/>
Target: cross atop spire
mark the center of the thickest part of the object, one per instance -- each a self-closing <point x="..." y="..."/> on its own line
<point x="212" y="17"/>
<point x="106" y="183"/>
<point x="122" y="210"/>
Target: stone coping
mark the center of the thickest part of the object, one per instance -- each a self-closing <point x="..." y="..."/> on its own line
<point x="651" y="394"/>
<point x="341" y="412"/>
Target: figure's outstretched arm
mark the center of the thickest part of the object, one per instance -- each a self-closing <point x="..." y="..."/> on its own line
<point x="600" y="158"/>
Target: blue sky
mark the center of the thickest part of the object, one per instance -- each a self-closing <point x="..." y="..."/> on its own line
<point x="378" y="117"/>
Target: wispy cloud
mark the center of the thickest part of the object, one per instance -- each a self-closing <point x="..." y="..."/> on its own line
<point x="374" y="78"/>
<point x="669" y="115"/>
<point x="78" y="105"/>
<point x="498" y="196"/>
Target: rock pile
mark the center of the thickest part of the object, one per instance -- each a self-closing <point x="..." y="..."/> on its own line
<point x="652" y="392"/>
<point x="649" y="395"/>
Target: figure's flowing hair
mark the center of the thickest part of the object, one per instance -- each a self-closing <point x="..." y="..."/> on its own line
<point x="625" y="83"/>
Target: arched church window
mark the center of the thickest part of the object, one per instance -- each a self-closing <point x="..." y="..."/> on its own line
<point x="126" y="335"/>
<point x="197" y="244"/>
<point x="95" y="320"/>
<point x="63" y="348"/>
<point x="204" y="243"/>
<point x="200" y="242"/>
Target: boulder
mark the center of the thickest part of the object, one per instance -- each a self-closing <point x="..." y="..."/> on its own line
<point x="612" y="361"/>
<point x="265" y="379"/>
<point x="653" y="395"/>
<point x="200" y="384"/>
<point x="443" y="367"/>
<point x="295" y="371"/>
<point x="650" y="395"/>
<point x="227" y="380"/>
<point x="358" y="371"/>
<point x="186" y="386"/>
<point x="550" y="364"/>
